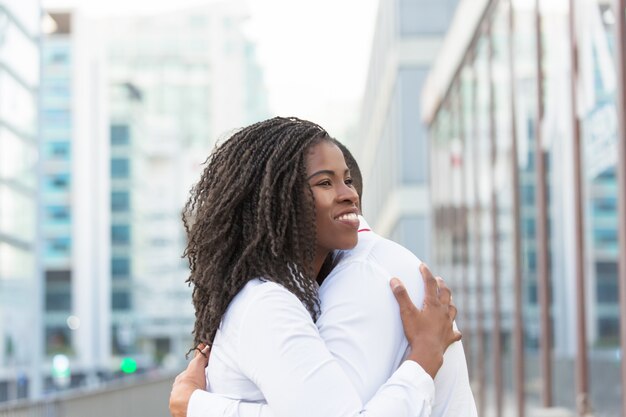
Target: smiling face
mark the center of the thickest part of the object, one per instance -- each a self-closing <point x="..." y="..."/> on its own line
<point x="336" y="212"/>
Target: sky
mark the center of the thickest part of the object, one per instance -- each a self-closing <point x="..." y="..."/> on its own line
<point x="314" y="53"/>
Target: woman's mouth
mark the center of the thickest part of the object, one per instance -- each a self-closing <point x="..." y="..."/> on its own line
<point x="349" y="219"/>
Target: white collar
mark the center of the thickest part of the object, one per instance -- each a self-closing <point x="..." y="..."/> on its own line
<point x="363" y="226"/>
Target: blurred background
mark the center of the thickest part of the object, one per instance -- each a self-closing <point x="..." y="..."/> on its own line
<point x="491" y="135"/>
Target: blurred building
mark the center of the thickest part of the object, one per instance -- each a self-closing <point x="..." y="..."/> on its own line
<point x="522" y="133"/>
<point x="392" y="149"/>
<point x="19" y="267"/>
<point x="177" y="83"/>
<point x="74" y="186"/>
<point x="130" y="108"/>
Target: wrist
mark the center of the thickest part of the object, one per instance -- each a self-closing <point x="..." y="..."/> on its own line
<point x="430" y="358"/>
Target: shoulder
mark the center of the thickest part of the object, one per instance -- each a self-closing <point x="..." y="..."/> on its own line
<point x="263" y="298"/>
<point x="369" y="268"/>
<point x="379" y="252"/>
<point x="260" y="292"/>
<point x="387" y="252"/>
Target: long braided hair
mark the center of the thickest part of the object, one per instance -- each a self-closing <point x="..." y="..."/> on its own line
<point x="252" y="215"/>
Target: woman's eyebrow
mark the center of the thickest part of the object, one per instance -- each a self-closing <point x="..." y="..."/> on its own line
<point x="326" y="171"/>
<point x="322" y="171"/>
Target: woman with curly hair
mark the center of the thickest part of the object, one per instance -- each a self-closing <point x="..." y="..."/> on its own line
<point x="274" y="201"/>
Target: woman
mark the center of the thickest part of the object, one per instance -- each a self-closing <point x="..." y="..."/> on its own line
<point x="273" y="202"/>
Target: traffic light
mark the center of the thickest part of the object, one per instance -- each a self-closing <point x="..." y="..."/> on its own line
<point x="128" y="366"/>
<point x="61" y="370"/>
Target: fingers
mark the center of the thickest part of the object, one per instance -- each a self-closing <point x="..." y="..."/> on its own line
<point x="199" y="361"/>
<point x="445" y="295"/>
<point x="200" y="356"/>
<point x="401" y="294"/>
<point x="430" y="283"/>
<point x="199" y="350"/>
<point x="206" y="351"/>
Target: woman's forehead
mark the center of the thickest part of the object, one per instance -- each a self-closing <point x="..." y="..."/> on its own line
<point x="325" y="155"/>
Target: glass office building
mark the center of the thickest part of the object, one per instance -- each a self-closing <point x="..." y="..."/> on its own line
<point x="19" y="275"/>
<point x="392" y="142"/>
<point x="524" y="106"/>
<point x="168" y="105"/>
<point x="56" y="139"/>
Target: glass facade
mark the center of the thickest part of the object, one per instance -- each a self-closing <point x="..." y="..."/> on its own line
<point x="168" y="104"/>
<point x="121" y="140"/>
<point x="391" y="139"/>
<point x="504" y="131"/>
<point x="56" y="100"/>
<point x="19" y="80"/>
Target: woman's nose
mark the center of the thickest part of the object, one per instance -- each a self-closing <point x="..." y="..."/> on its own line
<point x="348" y="193"/>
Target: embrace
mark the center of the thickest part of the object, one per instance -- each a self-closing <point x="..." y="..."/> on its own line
<point x="302" y="309"/>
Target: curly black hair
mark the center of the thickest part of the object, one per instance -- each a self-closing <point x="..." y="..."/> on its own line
<point x="252" y="215"/>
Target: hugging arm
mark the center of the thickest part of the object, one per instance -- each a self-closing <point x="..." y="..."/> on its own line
<point x="303" y="387"/>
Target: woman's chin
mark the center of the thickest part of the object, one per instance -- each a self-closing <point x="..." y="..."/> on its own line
<point x="348" y="243"/>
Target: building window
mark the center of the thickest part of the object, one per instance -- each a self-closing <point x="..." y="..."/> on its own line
<point x="56" y="116"/>
<point x="59" y="150"/>
<point x="528" y="194"/>
<point x="120" y="201"/>
<point x="58" y="340"/>
<point x="120" y="168"/>
<point x="608" y="330"/>
<point x="58" y="182"/>
<point x="120" y="234"/>
<point x="606" y="282"/>
<point x="605" y="235"/>
<point x="606" y="204"/>
<point x="120" y="267"/>
<point x="58" y="277"/>
<point x="120" y="300"/>
<point x="58" y="214"/>
<point x="528" y="227"/>
<point x="60" y="57"/>
<point x="120" y="135"/>
<point x="58" y="246"/>
<point x="58" y="290"/>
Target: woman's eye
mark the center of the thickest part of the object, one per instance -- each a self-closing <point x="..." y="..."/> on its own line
<point x="324" y="183"/>
<point x="348" y="181"/>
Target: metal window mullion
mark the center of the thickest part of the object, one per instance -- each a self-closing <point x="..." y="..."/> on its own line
<point x="464" y="235"/>
<point x="480" y="357"/>
<point x="582" y="385"/>
<point x="543" y="276"/>
<point x="497" y="344"/>
<point x="518" y="333"/>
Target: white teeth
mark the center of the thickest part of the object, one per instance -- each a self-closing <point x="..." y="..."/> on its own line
<point x="348" y="216"/>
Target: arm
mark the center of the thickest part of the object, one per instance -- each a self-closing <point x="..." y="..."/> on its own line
<point x="291" y="365"/>
<point x="362" y="328"/>
<point x="284" y="355"/>
<point x="434" y="312"/>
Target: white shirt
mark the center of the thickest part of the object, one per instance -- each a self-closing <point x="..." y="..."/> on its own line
<point x="267" y="342"/>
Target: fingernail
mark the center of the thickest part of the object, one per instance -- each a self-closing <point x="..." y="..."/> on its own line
<point x="206" y="349"/>
<point x="395" y="283"/>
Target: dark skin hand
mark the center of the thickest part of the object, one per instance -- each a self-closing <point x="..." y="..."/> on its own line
<point x="188" y="381"/>
<point x="429" y="330"/>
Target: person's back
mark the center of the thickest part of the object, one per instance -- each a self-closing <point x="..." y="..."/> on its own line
<point x="362" y="328"/>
